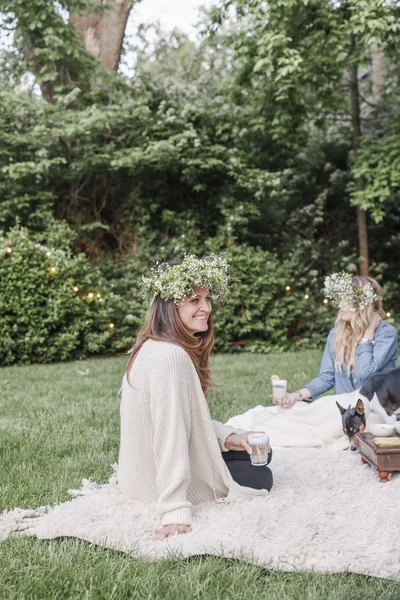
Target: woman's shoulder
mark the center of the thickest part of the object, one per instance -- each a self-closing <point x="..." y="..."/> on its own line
<point x="166" y="351"/>
<point x="385" y="329"/>
<point x="331" y="334"/>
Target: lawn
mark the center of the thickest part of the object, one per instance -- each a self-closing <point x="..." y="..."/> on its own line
<point x="59" y="423"/>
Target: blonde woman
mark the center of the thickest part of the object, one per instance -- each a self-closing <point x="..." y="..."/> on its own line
<point x="359" y="345"/>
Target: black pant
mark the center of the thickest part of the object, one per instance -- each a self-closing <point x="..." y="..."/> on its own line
<point x="244" y="473"/>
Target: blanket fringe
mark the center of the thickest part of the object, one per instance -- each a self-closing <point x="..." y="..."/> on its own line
<point x="88" y="485"/>
<point x="22" y="522"/>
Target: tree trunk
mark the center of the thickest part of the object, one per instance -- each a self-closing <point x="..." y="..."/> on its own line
<point x="377" y="73"/>
<point x="361" y="215"/>
<point x="103" y="35"/>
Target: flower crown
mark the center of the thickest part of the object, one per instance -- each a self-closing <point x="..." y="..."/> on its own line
<point x="175" y="281"/>
<point x="339" y="285"/>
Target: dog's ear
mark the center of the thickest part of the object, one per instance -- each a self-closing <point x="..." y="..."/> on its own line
<point x="342" y="410"/>
<point x="360" y="408"/>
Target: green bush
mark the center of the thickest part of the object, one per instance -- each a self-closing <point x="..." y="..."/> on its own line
<point x="258" y="315"/>
<point x="261" y="314"/>
<point x="54" y="305"/>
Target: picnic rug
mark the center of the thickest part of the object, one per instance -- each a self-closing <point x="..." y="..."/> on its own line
<point x="327" y="512"/>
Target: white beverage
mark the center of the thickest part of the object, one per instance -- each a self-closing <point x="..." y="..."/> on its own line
<point x="279" y="388"/>
<point x="259" y="448"/>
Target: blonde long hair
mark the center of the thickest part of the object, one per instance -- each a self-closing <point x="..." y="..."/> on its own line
<point x="349" y="333"/>
<point x="164" y="324"/>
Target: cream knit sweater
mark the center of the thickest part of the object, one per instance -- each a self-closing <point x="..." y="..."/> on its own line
<point x="170" y="449"/>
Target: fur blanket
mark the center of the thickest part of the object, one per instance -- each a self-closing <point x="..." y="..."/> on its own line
<point x="307" y="522"/>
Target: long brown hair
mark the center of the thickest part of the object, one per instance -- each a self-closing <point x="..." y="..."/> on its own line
<point x="349" y="333"/>
<point x="164" y="324"/>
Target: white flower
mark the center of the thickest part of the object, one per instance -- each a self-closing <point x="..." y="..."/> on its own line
<point x="174" y="282"/>
<point x="339" y="286"/>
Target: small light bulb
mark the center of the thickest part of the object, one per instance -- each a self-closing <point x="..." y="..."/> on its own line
<point x="325" y="300"/>
<point x="8" y="249"/>
<point x="388" y="314"/>
<point x="111" y="325"/>
<point x="288" y="288"/>
<point x="53" y="270"/>
<point x="20" y="258"/>
<point x="98" y="295"/>
<point x="48" y="253"/>
<point x="75" y="288"/>
<point x="90" y="295"/>
<point x="306" y="296"/>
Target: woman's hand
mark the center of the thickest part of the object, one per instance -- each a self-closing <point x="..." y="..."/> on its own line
<point x="288" y="400"/>
<point x="238" y="441"/>
<point x="165" y="532"/>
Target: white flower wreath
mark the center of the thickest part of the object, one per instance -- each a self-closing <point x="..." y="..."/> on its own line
<point x="174" y="282"/>
<point x="339" y="285"/>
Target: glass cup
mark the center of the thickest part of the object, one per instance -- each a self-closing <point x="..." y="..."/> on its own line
<point x="259" y="448"/>
<point x="279" y="388"/>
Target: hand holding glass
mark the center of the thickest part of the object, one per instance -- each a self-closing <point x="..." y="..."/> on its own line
<point x="279" y="388"/>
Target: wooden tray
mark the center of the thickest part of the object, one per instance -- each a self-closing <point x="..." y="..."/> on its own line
<point x="385" y="460"/>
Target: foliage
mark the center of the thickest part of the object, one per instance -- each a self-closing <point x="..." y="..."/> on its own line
<point x="46" y="44"/>
<point x="240" y="143"/>
<point x="273" y="304"/>
<point x="53" y="305"/>
<point x="378" y="163"/>
<point x="301" y="50"/>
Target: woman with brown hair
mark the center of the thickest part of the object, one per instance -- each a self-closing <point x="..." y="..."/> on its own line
<point x="171" y="451"/>
<point x="359" y="345"/>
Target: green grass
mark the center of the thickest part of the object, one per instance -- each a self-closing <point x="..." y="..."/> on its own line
<point x="60" y="423"/>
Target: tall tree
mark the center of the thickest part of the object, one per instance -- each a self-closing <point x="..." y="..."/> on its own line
<point x="302" y="49"/>
<point x="361" y="214"/>
<point x="103" y="33"/>
<point x="57" y="40"/>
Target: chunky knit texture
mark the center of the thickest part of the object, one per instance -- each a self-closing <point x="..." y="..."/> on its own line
<point x="170" y="449"/>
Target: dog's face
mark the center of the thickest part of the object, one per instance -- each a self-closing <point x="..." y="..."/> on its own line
<point x="353" y="421"/>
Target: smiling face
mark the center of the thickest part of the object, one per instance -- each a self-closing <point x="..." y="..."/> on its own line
<point x="195" y="310"/>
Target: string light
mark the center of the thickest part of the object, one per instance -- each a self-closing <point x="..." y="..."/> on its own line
<point x="288" y="288"/>
<point x="306" y="296"/>
<point x="20" y="258"/>
<point x="8" y="249"/>
<point x="388" y="314"/>
<point x="325" y="300"/>
<point x="90" y="295"/>
<point x="53" y="270"/>
<point x="48" y="253"/>
<point x="98" y="295"/>
<point x="111" y="325"/>
<point x="75" y="288"/>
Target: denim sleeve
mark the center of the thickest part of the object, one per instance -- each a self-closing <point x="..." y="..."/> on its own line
<point x="325" y="379"/>
<point x="372" y="358"/>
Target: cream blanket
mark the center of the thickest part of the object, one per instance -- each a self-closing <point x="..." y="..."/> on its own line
<point x="326" y="512"/>
<point x="306" y="425"/>
<point x="305" y="523"/>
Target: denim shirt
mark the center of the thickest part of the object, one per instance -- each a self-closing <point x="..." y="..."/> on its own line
<point x="370" y="358"/>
